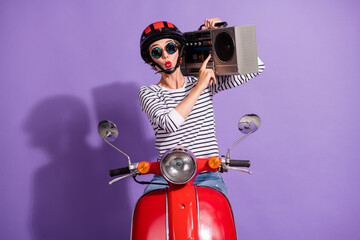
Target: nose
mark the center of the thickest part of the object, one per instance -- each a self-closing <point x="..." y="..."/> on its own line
<point x="165" y="54"/>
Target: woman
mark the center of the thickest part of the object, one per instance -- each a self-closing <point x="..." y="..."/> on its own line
<point x="179" y="108"/>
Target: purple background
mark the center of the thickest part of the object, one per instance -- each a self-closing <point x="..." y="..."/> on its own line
<point x="65" y="65"/>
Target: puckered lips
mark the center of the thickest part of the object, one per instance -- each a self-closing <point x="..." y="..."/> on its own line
<point x="168" y="64"/>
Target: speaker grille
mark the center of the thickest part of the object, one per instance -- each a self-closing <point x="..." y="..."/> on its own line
<point x="224" y="47"/>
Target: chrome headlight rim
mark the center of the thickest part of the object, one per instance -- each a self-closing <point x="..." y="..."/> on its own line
<point x="170" y="153"/>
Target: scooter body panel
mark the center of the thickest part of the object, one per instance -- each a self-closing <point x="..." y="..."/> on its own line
<point x="183" y="213"/>
<point x="216" y="217"/>
<point x="149" y="217"/>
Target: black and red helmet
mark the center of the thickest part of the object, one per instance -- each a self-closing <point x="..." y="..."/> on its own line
<point x="157" y="31"/>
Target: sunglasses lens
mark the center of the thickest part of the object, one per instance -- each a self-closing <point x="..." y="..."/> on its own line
<point x="171" y="48"/>
<point x="156" y="52"/>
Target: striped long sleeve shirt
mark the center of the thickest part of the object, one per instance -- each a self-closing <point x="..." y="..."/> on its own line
<point x="197" y="131"/>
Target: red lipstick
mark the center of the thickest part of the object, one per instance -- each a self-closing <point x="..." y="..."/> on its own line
<point x="168" y="64"/>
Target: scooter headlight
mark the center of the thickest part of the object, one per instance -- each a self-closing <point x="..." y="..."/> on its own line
<point x="178" y="165"/>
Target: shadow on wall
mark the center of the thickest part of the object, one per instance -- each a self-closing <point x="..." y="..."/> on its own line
<point x="119" y="103"/>
<point x="71" y="198"/>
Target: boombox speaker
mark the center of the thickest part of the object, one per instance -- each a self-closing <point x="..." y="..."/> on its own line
<point x="233" y="50"/>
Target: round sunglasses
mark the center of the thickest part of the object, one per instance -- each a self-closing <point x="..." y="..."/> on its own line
<point x="170" y="48"/>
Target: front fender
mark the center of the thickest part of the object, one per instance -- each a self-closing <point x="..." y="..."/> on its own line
<point x="149" y="220"/>
<point x="213" y="212"/>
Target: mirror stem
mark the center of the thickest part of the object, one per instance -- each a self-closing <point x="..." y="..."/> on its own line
<point x="117" y="149"/>
<point x="227" y="159"/>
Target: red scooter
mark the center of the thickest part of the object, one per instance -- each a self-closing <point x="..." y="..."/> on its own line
<point x="182" y="211"/>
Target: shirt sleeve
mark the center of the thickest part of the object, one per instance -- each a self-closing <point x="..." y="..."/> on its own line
<point x="157" y="112"/>
<point x="231" y="81"/>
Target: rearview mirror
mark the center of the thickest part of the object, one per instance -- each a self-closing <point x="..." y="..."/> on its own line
<point x="108" y="130"/>
<point x="249" y="123"/>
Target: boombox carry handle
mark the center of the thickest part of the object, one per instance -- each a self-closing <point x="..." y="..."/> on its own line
<point x="218" y="24"/>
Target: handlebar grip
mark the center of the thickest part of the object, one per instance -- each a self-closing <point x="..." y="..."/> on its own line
<point x="119" y="171"/>
<point x="239" y="163"/>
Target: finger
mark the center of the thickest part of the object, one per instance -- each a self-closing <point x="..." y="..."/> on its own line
<point x="212" y="82"/>
<point x="203" y="66"/>
<point x="208" y="21"/>
<point x="213" y="78"/>
<point x="212" y="24"/>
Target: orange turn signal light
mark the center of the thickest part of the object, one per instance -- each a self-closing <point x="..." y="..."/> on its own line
<point x="214" y="162"/>
<point x="143" y="167"/>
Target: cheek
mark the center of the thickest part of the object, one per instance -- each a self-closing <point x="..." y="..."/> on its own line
<point x="174" y="56"/>
<point x="158" y="61"/>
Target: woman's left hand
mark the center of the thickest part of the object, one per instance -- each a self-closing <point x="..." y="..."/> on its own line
<point x="210" y="23"/>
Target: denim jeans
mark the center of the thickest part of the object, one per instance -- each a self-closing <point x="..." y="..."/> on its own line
<point x="209" y="179"/>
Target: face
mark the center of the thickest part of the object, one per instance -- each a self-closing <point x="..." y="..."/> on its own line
<point x="164" y="52"/>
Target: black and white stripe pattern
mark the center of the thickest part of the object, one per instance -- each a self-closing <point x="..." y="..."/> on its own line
<point x="197" y="132"/>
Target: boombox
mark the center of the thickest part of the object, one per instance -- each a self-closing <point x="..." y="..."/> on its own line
<point x="233" y="50"/>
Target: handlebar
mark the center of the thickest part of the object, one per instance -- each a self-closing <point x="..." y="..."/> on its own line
<point x="239" y="163"/>
<point x="126" y="170"/>
<point x="119" y="171"/>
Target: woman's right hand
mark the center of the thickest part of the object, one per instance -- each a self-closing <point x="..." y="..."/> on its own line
<point x="206" y="76"/>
